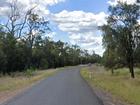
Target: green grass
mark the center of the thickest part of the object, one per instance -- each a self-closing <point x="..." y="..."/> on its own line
<point x="8" y="84"/>
<point x="120" y="84"/>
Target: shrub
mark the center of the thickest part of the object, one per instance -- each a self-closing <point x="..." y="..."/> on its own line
<point x="30" y="72"/>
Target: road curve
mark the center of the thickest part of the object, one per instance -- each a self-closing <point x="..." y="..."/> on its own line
<point x="65" y="88"/>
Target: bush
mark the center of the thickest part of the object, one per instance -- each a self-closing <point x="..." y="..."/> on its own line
<point x="30" y="72"/>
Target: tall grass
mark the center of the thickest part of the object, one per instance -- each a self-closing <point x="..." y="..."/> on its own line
<point x="120" y="84"/>
<point x="8" y="83"/>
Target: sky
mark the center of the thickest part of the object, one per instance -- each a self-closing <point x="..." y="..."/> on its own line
<point x="72" y="21"/>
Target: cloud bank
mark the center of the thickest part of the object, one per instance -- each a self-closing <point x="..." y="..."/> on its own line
<point x="114" y="2"/>
<point x="25" y="5"/>
<point x="82" y="28"/>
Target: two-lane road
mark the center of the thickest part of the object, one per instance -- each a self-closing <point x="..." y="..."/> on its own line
<point x="65" y="88"/>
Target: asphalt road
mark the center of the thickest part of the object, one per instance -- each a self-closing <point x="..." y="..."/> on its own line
<point x="65" y="88"/>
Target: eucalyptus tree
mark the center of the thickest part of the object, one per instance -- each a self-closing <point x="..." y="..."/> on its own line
<point x="124" y="26"/>
<point x="36" y="27"/>
<point x="109" y="43"/>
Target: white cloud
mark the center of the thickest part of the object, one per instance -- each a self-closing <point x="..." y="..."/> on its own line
<point x="51" y="35"/>
<point x="24" y="5"/>
<point x="82" y="28"/>
<point x="114" y="2"/>
<point x="76" y="21"/>
<point x="88" y="41"/>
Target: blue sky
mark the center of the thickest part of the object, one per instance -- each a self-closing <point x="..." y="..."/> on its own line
<point x="95" y="6"/>
<point x="91" y="6"/>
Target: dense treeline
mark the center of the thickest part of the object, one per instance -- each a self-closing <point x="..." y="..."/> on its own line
<point x="23" y="44"/>
<point x="121" y="37"/>
<point x="15" y="55"/>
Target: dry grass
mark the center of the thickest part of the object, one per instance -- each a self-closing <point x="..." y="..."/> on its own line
<point x="11" y="86"/>
<point x="120" y="84"/>
<point x="8" y="83"/>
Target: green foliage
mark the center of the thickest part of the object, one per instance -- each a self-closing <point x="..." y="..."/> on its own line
<point x="17" y="55"/>
<point x="23" y="45"/>
<point x="121" y="36"/>
<point x="30" y="72"/>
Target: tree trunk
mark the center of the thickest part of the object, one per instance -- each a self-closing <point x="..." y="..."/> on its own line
<point x="131" y="67"/>
<point x="112" y="71"/>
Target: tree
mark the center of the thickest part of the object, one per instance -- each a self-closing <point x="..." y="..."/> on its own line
<point x="109" y="44"/>
<point x="3" y="60"/>
<point x="18" y="32"/>
<point x="24" y="45"/>
<point x="36" y="27"/>
<point x="123" y="24"/>
<point x="137" y="56"/>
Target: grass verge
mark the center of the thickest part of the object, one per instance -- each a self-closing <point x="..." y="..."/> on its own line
<point x="120" y="84"/>
<point x="11" y="86"/>
<point x="13" y="83"/>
